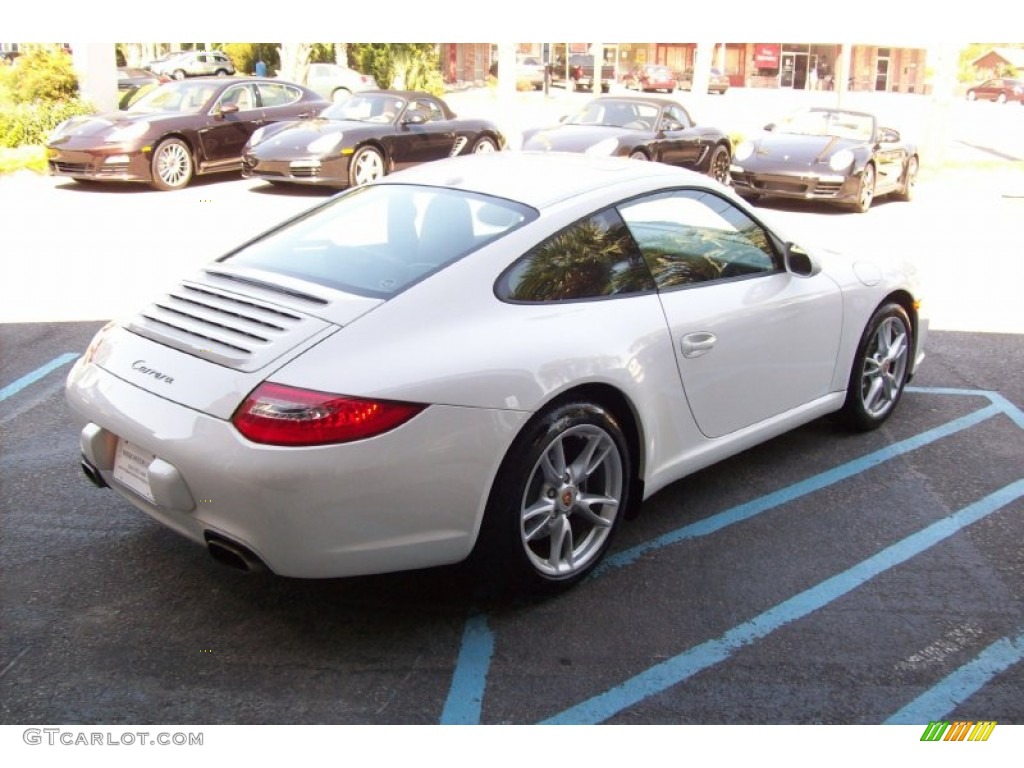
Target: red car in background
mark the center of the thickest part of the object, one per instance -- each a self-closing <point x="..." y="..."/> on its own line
<point x="651" y="77"/>
<point x="1000" y="89"/>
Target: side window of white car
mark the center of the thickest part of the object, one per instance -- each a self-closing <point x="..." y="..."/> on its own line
<point x="593" y="258"/>
<point x="689" y="237"/>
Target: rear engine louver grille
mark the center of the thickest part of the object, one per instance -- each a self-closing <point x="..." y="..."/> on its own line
<point x="231" y="330"/>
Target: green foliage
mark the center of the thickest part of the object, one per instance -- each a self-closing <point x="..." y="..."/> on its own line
<point x="40" y="74"/>
<point x="32" y="158"/>
<point x="25" y="124"/>
<point x="413" y="66"/>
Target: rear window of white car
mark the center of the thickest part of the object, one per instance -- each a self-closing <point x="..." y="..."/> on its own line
<point x="378" y="240"/>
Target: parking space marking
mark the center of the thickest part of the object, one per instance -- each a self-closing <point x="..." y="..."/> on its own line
<point x="687" y="664"/>
<point x="937" y="702"/>
<point x="472" y="679"/>
<point x="466" y="696"/>
<point x="31" y="378"/>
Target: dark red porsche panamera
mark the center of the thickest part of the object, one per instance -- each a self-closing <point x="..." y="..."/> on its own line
<point x="177" y="131"/>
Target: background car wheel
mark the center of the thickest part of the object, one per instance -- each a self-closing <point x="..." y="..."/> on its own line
<point x="172" y="165"/>
<point x="483" y="145"/>
<point x="906" y="192"/>
<point x="179" y="74"/>
<point x="749" y="197"/>
<point x="866" y="194"/>
<point x="637" y="154"/>
<point x="971" y="96"/>
<point x="221" y="73"/>
<point x="340" y="94"/>
<point x="557" y="501"/>
<point x="1001" y="98"/>
<point x="367" y="165"/>
<point x="880" y="369"/>
<point x="718" y="168"/>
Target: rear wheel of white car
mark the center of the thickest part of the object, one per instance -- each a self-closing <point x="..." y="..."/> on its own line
<point x="638" y="154"/>
<point x="221" y="73"/>
<point x="880" y="369"/>
<point x="866" y="194"/>
<point x="483" y="145"/>
<point x="366" y="165"/>
<point x="179" y="74"/>
<point x="718" y="169"/>
<point x="172" y="166"/>
<point x="558" y="499"/>
<point x="906" y="192"/>
<point x="340" y="94"/>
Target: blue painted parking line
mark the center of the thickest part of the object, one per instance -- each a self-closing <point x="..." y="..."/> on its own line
<point x="684" y="666"/>
<point x="791" y="493"/>
<point x="31" y="378"/>
<point x="465" y="699"/>
<point x="937" y="702"/>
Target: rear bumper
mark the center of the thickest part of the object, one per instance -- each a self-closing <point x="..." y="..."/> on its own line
<point x="411" y="498"/>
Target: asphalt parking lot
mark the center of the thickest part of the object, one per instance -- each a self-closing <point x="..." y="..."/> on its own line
<point x="822" y="577"/>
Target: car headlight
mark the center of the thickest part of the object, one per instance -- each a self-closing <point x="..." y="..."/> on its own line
<point x="128" y="132"/>
<point x="743" y="151"/>
<point x="603" y="148"/>
<point x="841" y="160"/>
<point x="325" y="143"/>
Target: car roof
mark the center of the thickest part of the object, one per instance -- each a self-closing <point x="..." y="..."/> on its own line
<point x="538" y="179"/>
<point x="638" y="99"/>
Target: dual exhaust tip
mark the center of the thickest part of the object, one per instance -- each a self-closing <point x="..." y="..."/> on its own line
<point x="221" y="549"/>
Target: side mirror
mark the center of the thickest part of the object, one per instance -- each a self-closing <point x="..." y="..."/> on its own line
<point x="414" y="120"/>
<point x="888" y="136"/>
<point x="228" y="109"/>
<point x="671" y="125"/>
<point x="800" y="262"/>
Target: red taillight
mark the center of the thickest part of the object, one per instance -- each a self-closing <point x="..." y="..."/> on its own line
<point x="280" y="415"/>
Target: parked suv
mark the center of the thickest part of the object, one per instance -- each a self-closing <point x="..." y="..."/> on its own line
<point x="195" y="64"/>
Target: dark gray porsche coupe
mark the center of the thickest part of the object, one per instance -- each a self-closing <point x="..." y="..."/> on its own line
<point x="364" y="138"/>
<point x="832" y="155"/>
<point x="640" y="127"/>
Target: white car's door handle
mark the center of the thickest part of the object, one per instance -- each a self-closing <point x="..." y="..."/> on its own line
<point x="697" y="344"/>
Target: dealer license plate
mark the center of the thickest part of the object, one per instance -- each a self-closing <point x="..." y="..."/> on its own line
<point x="131" y="469"/>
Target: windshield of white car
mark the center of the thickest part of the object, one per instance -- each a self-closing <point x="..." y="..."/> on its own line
<point x="366" y="108"/>
<point x="616" y="114"/>
<point x="183" y="96"/>
<point x="817" y="122"/>
<point x="378" y="240"/>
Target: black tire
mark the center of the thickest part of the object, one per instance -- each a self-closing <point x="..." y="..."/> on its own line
<point x="638" y="154"/>
<point x="718" y="167"/>
<point x="179" y="74"/>
<point x="880" y="369"/>
<point x="1001" y="98"/>
<point x="559" y="496"/>
<point x="366" y="165"/>
<point x="221" y="73"/>
<point x="866" y="192"/>
<point x="340" y="94"/>
<point x="172" y="165"/>
<point x="906" y="192"/>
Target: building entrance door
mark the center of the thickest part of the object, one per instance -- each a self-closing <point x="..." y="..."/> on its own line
<point x="882" y="74"/>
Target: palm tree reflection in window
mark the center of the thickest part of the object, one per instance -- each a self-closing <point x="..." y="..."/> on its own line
<point x="593" y="257"/>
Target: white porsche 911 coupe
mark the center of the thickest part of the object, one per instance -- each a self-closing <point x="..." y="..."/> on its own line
<point x="495" y="355"/>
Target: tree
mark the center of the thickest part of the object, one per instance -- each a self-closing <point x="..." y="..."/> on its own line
<point x="295" y="58"/>
<point x="400" y="65"/>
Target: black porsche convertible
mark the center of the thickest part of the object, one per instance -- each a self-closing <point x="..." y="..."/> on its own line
<point x="831" y="155"/>
<point x="640" y="127"/>
<point x="364" y="138"/>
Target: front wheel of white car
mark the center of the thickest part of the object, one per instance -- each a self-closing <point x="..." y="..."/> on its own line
<point x="558" y="499"/>
<point x="880" y="369"/>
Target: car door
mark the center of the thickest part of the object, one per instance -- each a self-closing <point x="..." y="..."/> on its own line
<point x="232" y="120"/>
<point x="420" y="142"/>
<point x="890" y="158"/>
<point x="751" y="339"/>
<point x="678" y="143"/>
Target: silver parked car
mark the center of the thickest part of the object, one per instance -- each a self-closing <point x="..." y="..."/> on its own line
<point x="337" y="83"/>
<point x="195" y="64"/>
<point x="500" y="355"/>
